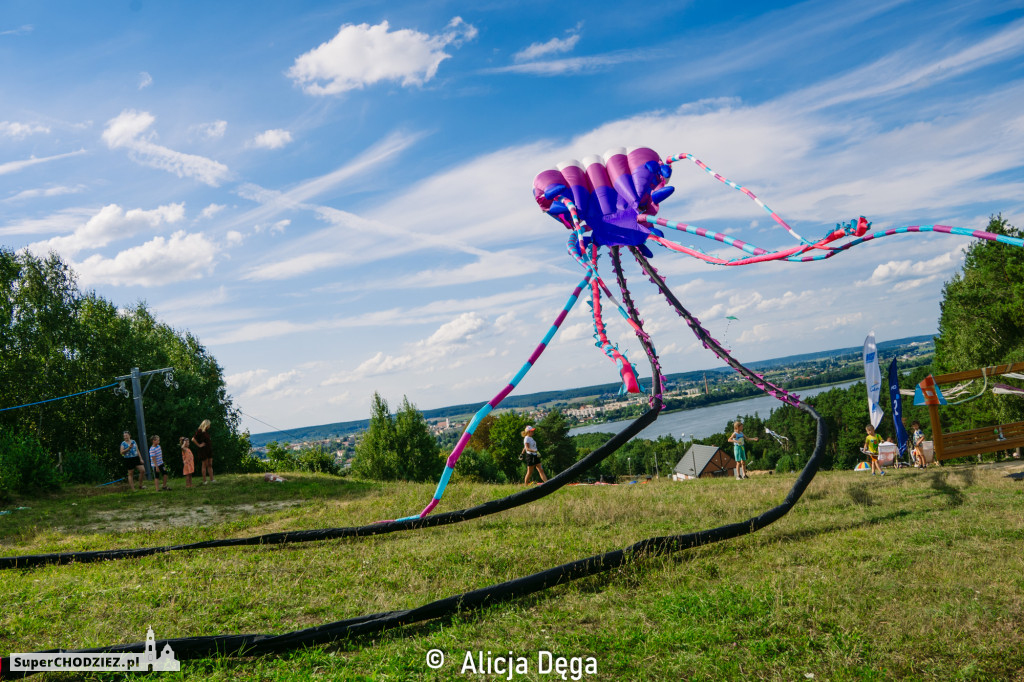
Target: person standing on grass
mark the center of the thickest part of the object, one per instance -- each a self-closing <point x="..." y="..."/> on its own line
<point x="156" y="460"/>
<point x="532" y="457"/>
<point x="201" y="439"/>
<point x="187" y="460"/>
<point x="919" y="460"/>
<point x="132" y="460"/>
<point x="739" y="449"/>
<point x="871" y="449"/>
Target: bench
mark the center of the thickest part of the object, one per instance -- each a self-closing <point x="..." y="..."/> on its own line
<point x="974" y="441"/>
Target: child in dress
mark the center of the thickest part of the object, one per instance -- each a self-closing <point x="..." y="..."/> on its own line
<point x="188" y="460"/>
<point x="918" y="438"/>
<point x="739" y="449"/>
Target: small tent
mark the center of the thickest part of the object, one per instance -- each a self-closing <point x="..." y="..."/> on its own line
<point x="704" y="461"/>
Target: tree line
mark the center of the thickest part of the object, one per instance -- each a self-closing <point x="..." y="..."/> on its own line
<point x="57" y="340"/>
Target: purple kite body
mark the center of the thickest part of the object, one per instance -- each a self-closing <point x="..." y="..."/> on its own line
<point x="609" y="192"/>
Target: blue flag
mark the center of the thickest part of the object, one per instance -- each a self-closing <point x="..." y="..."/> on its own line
<point x="897" y="407"/>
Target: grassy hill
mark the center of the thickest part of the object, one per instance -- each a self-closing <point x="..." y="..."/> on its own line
<point x="915" y="575"/>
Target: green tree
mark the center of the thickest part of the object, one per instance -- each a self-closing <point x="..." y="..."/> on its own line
<point x="398" y="447"/>
<point x="554" y="444"/>
<point x="418" y="451"/>
<point x="377" y="451"/>
<point x="982" y="324"/>
<point x="506" y="442"/>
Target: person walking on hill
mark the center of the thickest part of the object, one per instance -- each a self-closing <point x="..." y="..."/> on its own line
<point x="531" y="456"/>
<point x="201" y="439"/>
<point x="132" y="460"/>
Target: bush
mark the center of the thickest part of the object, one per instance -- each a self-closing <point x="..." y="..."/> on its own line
<point x="478" y="466"/>
<point x="251" y="464"/>
<point x="312" y="460"/>
<point x="25" y="466"/>
<point x="86" y="467"/>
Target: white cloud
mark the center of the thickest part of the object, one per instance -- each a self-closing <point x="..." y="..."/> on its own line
<point x="837" y="321"/>
<point x="127" y="130"/>
<point x="15" y="166"/>
<point x="21" y="130"/>
<point x="252" y="383"/>
<point x="363" y="55"/>
<point x="45" y="192"/>
<point x="211" y="210"/>
<point x="111" y="223"/>
<point x="573" y="65"/>
<point x="553" y="46"/>
<point x="279" y="226"/>
<point x="457" y="331"/>
<point x="159" y="261"/>
<point x="910" y="274"/>
<point x="145" y="80"/>
<point x="271" y="139"/>
<point x="214" y="130"/>
<point x="24" y="29"/>
<point x="233" y="237"/>
<point x="67" y="220"/>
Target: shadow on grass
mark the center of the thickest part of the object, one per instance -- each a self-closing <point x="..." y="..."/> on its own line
<point x="858" y="492"/>
<point x="940" y="484"/>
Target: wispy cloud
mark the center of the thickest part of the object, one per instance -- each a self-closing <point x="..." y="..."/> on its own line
<point x="213" y="130"/>
<point x="129" y="130"/>
<point x="22" y="30"/>
<point x="67" y="220"/>
<point x="900" y="73"/>
<point x="145" y="80"/>
<point x="553" y="46"/>
<point x="18" y="130"/>
<point x="45" y="192"/>
<point x="361" y="55"/>
<point x="15" y="166"/>
<point x="576" y="65"/>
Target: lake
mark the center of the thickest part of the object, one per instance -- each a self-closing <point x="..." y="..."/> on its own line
<point x="702" y="422"/>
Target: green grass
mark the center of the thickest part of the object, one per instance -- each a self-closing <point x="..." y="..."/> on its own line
<point x="917" y="575"/>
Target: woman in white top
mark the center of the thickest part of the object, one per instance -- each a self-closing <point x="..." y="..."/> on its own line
<point x="531" y="456"/>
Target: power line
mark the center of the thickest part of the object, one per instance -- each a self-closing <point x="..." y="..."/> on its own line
<point x="50" y="400"/>
<point x="276" y="430"/>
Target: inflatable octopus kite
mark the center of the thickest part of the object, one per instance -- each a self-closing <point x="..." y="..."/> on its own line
<point x="611" y="201"/>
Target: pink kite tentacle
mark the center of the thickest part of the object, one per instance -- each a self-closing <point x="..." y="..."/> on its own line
<point x="626" y="370"/>
<point x="775" y="216"/>
<point x="449" y="468"/>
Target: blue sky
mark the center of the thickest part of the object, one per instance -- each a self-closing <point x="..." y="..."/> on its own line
<point x="336" y="197"/>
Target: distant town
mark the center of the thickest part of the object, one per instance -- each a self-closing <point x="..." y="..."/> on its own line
<point x="600" y="404"/>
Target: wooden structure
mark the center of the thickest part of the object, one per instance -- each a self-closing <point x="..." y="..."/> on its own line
<point x="974" y="441"/>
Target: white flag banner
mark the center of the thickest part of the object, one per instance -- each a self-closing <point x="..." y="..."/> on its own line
<point x="873" y="377"/>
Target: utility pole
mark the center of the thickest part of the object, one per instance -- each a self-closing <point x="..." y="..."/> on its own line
<point x="140" y="416"/>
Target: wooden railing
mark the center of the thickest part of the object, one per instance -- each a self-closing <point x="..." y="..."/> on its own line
<point x="975" y="441"/>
